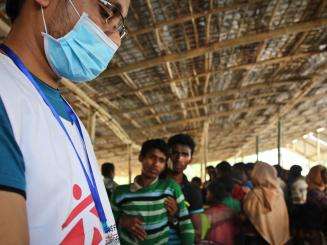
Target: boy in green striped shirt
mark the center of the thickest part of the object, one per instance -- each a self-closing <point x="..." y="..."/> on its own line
<point x="143" y="209"/>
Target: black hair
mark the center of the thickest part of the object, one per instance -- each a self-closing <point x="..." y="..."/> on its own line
<point x="238" y="175"/>
<point x="153" y="144"/>
<point x="324" y="175"/>
<point x="223" y="168"/>
<point x="196" y="180"/>
<point x="228" y="183"/>
<point x="218" y="190"/>
<point x="239" y="165"/>
<point x="107" y="168"/>
<point x="13" y="8"/>
<point x="296" y="170"/>
<point x="279" y="170"/>
<point x="249" y="166"/>
<point x="182" y="139"/>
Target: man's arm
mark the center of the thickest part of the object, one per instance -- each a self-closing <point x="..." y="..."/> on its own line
<point x="13" y="219"/>
<point x="195" y="208"/>
<point x="186" y="230"/>
<point x="133" y="224"/>
<point x="13" y="215"/>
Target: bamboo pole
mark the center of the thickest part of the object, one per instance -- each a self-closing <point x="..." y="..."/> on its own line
<point x="129" y="152"/>
<point x="216" y="46"/>
<point x="279" y="135"/>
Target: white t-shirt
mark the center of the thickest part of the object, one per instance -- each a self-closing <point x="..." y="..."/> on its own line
<point x="60" y="207"/>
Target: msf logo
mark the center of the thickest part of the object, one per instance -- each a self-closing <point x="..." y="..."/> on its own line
<point x="76" y="235"/>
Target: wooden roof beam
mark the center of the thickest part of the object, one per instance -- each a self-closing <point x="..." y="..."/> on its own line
<point x="159" y="84"/>
<point x="248" y="88"/>
<point x="129" y="81"/>
<point x="186" y="18"/>
<point x="259" y="96"/>
<point x="208" y="57"/>
<point x="298" y="96"/>
<point x="102" y="113"/>
<point x="175" y="90"/>
<point x="208" y="117"/>
<point x="216" y="46"/>
<point x="262" y="46"/>
<point x="194" y="91"/>
<point x="303" y="35"/>
<point x="250" y="130"/>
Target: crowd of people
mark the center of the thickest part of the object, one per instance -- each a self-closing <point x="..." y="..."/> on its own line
<point x="247" y="203"/>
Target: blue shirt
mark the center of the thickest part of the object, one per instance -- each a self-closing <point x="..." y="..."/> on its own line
<point x="12" y="167"/>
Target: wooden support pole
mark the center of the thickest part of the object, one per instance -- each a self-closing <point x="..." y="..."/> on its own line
<point x="129" y="152"/>
<point x="257" y="147"/>
<point x="305" y="152"/>
<point x="318" y="147"/>
<point x="294" y="145"/>
<point x="91" y="125"/>
<point x="279" y="140"/>
<point x="205" y="146"/>
<point x="201" y="170"/>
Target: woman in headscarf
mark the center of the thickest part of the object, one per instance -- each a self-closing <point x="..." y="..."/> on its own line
<point x="316" y="180"/>
<point x="317" y="204"/>
<point x="265" y="206"/>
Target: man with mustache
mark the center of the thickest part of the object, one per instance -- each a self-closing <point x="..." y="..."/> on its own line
<point x="182" y="147"/>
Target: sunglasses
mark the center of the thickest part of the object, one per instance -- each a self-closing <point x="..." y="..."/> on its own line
<point x="109" y="12"/>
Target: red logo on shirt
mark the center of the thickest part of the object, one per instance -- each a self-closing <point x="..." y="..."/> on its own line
<point x="76" y="236"/>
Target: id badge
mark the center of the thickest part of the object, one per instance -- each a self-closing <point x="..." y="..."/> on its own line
<point x="112" y="238"/>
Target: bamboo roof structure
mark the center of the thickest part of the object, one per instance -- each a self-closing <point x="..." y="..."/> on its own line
<point x="223" y="71"/>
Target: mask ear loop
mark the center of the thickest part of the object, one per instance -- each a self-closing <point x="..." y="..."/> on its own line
<point x="45" y="25"/>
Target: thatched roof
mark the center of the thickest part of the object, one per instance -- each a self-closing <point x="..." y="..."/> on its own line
<point x="223" y="71"/>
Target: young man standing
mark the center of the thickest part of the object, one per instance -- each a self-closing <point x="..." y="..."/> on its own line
<point x="142" y="209"/>
<point x="182" y="148"/>
<point x="108" y="173"/>
<point x="51" y="190"/>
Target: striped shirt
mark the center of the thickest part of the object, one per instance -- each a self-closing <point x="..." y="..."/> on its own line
<point x="194" y="203"/>
<point x="148" y="204"/>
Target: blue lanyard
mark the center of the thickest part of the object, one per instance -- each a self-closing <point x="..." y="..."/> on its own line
<point x="90" y="179"/>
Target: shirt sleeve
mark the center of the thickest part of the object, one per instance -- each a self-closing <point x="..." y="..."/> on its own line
<point x="195" y="200"/>
<point x="186" y="228"/>
<point x="114" y="206"/>
<point x="12" y="166"/>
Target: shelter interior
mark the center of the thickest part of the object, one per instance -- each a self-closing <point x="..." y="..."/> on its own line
<point x="227" y="72"/>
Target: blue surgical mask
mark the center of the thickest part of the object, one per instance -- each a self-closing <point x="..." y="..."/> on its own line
<point x="82" y="54"/>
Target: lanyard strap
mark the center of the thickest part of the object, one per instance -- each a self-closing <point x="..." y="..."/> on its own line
<point x="90" y="179"/>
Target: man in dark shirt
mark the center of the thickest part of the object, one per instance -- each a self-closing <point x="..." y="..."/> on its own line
<point x="108" y="173"/>
<point x="182" y="149"/>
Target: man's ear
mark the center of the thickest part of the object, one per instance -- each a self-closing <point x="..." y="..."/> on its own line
<point x="141" y="158"/>
<point x="43" y="3"/>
